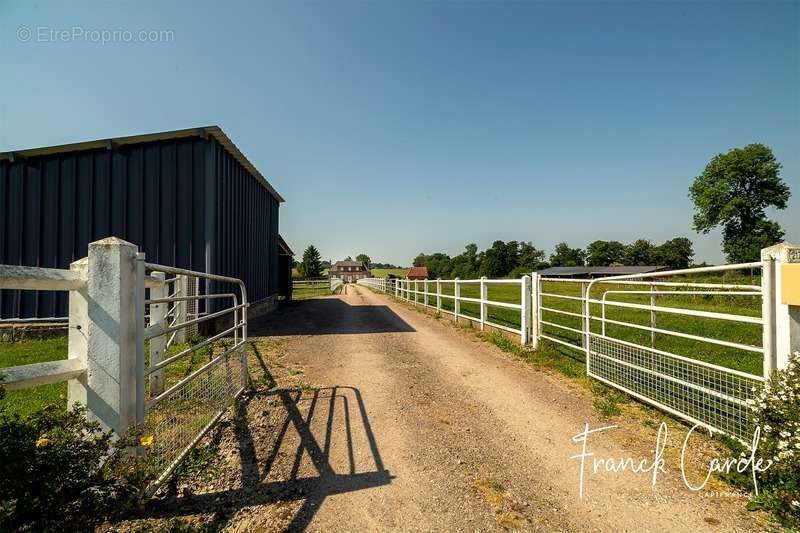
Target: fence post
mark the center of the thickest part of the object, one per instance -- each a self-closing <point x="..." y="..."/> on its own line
<point x="534" y="310"/>
<point x="103" y="332"/>
<point x="584" y="313"/>
<point x="438" y="294"/>
<point x="484" y="297"/>
<point x="525" y="309"/>
<point x="780" y="282"/>
<point x="425" y="288"/>
<point x="652" y="316"/>
<point x="158" y="315"/>
<point x="456" y="298"/>
<point x="416" y="292"/>
<point x="181" y="290"/>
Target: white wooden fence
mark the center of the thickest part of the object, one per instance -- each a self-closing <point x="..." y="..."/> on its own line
<point x="641" y="357"/>
<point x="317" y="286"/>
<point x="119" y="366"/>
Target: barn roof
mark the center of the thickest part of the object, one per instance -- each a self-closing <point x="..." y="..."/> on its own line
<point x="205" y="131"/>
<point x="417" y="272"/>
<point x="284" y="247"/>
<point x="598" y="271"/>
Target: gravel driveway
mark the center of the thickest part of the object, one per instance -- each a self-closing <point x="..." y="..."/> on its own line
<point x="385" y="418"/>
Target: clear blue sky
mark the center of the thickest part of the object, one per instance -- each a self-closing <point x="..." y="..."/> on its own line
<point x="395" y="128"/>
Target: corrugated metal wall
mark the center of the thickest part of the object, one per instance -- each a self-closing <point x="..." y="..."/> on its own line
<point x="185" y="202"/>
<point x="247" y="229"/>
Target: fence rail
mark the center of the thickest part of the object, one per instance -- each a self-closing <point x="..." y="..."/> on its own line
<point x="125" y="314"/>
<point x="450" y="297"/>
<point x="692" y="346"/>
<point x="316" y="287"/>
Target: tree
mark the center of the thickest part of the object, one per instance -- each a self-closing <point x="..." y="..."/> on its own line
<point x="675" y="253"/>
<point x="311" y="267"/>
<point x="364" y="258"/>
<point x="604" y="253"/>
<point x="566" y="256"/>
<point x="639" y="253"/>
<point x="466" y="264"/>
<point x="530" y="258"/>
<point x="733" y="192"/>
<point x="438" y="264"/>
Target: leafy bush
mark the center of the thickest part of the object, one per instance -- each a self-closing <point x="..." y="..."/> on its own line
<point x="59" y="471"/>
<point x="777" y="411"/>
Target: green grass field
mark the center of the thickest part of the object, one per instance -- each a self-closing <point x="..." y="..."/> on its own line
<point x="302" y="291"/>
<point x="738" y="359"/>
<point x="27" y="401"/>
<point x="384" y="272"/>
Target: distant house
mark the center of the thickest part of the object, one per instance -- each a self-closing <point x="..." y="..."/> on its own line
<point x="417" y="273"/>
<point x="598" y="271"/>
<point x="350" y="270"/>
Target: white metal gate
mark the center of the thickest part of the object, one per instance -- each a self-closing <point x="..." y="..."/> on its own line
<point x="690" y="385"/>
<point x="180" y="406"/>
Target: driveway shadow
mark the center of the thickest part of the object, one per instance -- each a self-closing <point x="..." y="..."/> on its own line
<point x="327" y="430"/>
<point x="327" y="316"/>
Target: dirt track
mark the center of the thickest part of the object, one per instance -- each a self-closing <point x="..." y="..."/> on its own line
<point x="405" y="422"/>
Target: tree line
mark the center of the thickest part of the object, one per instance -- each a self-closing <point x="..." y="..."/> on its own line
<point x="516" y="258"/>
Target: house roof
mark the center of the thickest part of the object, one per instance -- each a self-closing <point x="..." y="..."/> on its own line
<point x="284" y="247"/>
<point x="205" y="131"/>
<point x="417" y="272"/>
<point x="350" y="264"/>
<point x="597" y="271"/>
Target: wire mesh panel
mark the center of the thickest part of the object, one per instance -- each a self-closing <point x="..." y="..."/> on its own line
<point x="180" y="418"/>
<point x="712" y="323"/>
<point x="699" y="392"/>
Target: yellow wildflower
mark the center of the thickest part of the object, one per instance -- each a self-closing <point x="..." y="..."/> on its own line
<point x="146" y="441"/>
<point x="43" y="441"/>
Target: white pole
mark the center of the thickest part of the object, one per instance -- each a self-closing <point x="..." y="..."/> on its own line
<point x="781" y="312"/>
<point x="438" y="294"/>
<point x="484" y="297"/>
<point x="652" y="316"/>
<point x="456" y="298"/>
<point x="425" y="288"/>
<point x="768" y="313"/>
<point x="181" y="307"/>
<point x="105" y="313"/>
<point x="525" y="310"/>
<point x="585" y="313"/>
<point x="158" y="314"/>
<point x="536" y="303"/>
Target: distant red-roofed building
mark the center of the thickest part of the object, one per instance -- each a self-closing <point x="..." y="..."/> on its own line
<point x="417" y="273"/>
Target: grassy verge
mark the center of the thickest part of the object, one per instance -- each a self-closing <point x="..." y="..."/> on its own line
<point x="307" y="293"/>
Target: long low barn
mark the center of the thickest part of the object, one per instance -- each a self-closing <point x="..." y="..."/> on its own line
<point x="187" y="198"/>
<point x="598" y="271"/>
